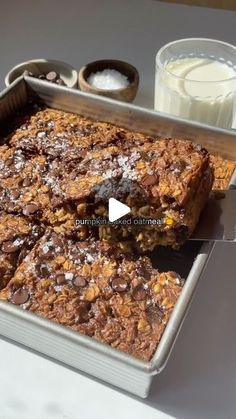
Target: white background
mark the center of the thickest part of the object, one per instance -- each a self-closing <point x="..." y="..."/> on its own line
<point x="199" y="381"/>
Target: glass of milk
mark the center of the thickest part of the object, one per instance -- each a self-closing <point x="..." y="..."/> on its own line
<point x="196" y="79"/>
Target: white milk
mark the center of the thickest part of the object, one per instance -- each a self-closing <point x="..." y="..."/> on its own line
<point x="197" y="88"/>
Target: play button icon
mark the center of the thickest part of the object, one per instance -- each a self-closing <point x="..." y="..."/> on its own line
<point x="116" y="210"/>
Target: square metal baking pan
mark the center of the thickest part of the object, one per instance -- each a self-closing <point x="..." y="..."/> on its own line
<point x="61" y="343"/>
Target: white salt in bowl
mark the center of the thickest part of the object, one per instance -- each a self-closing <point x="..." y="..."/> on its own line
<point x="126" y="72"/>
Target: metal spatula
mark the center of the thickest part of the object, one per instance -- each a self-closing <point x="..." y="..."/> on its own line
<point x="218" y="219"/>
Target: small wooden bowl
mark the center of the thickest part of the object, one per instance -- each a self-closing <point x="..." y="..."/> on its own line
<point x="125" y="94"/>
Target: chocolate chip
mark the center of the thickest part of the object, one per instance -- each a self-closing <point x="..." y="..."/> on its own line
<point x="30" y="209"/>
<point x="82" y="314"/>
<point x="120" y="135"/>
<point x="42" y="270"/>
<point x="15" y="194"/>
<point x="119" y="284"/>
<point x="27" y="182"/>
<point x="9" y="161"/>
<point x="143" y="272"/>
<point x="79" y="281"/>
<point x="37" y="230"/>
<point x="149" y="180"/>
<point x="139" y="293"/>
<point x="20" y="296"/>
<point x="11" y="207"/>
<point x="154" y="313"/>
<point x="175" y="206"/>
<point x="60" y="82"/>
<point x="178" y="167"/>
<point x="169" y="199"/>
<point x="51" y="76"/>
<point x="60" y="279"/>
<point x="10" y="247"/>
<point x="29" y="242"/>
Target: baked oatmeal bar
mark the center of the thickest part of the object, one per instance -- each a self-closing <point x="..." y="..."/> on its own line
<point x="24" y="190"/>
<point x="21" y="186"/>
<point x="94" y="289"/>
<point x="223" y="171"/>
<point x="17" y="237"/>
<point x="166" y="180"/>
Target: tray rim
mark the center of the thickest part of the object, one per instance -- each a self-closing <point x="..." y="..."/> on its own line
<point x="125" y="105"/>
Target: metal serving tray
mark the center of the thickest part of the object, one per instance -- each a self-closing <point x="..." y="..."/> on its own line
<point x="61" y="343"/>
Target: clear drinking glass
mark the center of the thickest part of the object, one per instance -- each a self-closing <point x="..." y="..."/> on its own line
<point x="196" y="79"/>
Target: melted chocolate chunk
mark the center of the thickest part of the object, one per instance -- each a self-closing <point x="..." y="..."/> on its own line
<point x="15" y="194"/>
<point x="27" y="182"/>
<point x="20" y="296"/>
<point x="143" y="272"/>
<point x="139" y="293"/>
<point x="10" y="247"/>
<point x="10" y="207"/>
<point x="79" y="281"/>
<point x="119" y="284"/>
<point x="178" y="167"/>
<point x="154" y="313"/>
<point x="83" y="314"/>
<point x="30" y="209"/>
<point x="42" y="270"/>
<point x="169" y="199"/>
<point x="61" y="279"/>
<point x="28" y="149"/>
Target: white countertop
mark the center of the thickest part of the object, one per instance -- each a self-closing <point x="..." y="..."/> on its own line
<point x="199" y="380"/>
